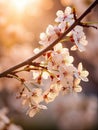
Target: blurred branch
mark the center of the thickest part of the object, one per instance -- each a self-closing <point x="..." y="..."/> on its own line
<point x="29" y="61"/>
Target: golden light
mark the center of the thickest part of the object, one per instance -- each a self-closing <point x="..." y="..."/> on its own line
<point x="19" y="5"/>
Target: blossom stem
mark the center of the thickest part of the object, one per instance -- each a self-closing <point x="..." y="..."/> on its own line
<point x="49" y="47"/>
<point x="89" y="23"/>
<point x="22" y="82"/>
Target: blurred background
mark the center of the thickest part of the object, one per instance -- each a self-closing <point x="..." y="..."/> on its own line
<point x="21" y="22"/>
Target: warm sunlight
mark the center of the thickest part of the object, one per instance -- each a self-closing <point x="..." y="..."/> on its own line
<point x="19" y="5"/>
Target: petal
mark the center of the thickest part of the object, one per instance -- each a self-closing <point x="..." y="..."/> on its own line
<point x="62" y="26"/>
<point x="68" y="10"/>
<point x="74" y="48"/>
<point x="60" y="13"/>
<point x="31" y="112"/>
<point x="43" y="107"/>
<point x="80" y="67"/>
<point x="58" y="47"/>
<point x="70" y="59"/>
<point x="45" y="75"/>
<point x="43" y="36"/>
<point x="36" y="50"/>
<point x="50" y="30"/>
<point x="84" y="79"/>
<point x="77" y="81"/>
<point x="78" y="88"/>
<point x="81" y="48"/>
<point x="84" y="73"/>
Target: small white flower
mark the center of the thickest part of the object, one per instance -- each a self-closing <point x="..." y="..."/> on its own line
<point x="43" y="36"/>
<point x="49" y="36"/>
<point x="79" y="38"/>
<point x="62" y="55"/>
<point x="66" y="16"/>
<point x="31" y="97"/>
<point x="50" y="30"/>
<point x="37" y="95"/>
<point x="35" y="109"/>
<point x="66" y="76"/>
<point x="36" y="50"/>
<point x="62" y="26"/>
<point x="44" y="39"/>
<point x="76" y="86"/>
<point x="60" y="13"/>
<point x="45" y="75"/>
<point x="60" y="16"/>
<point x="68" y="10"/>
<point x="50" y="94"/>
<point x="82" y="73"/>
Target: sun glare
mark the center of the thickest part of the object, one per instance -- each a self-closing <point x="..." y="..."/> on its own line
<point x="19" y="5"/>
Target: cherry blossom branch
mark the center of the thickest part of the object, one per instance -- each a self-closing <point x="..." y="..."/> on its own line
<point x="49" y="47"/>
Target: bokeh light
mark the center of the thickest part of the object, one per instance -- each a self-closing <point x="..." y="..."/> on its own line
<point x="19" y="5"/>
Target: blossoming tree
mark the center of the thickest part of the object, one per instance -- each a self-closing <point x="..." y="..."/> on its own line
<point x="52" y="68"/>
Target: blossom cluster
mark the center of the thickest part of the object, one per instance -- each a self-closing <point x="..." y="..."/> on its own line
<point x="56" y="72"/>
<point x="5" y="122"/>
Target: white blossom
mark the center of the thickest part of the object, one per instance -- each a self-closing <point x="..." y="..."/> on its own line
<point x="82" y="73"/>
<point x="32" y="97"/>
<point x="79" y="38"/>
<point x="67" y="16"/>
<point x="50" y="94"/>
<point x="35" y="109"/>
<point x="50" y="36"/>
<point x="56" y="72"/>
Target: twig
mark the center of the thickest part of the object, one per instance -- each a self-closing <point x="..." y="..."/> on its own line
<point x="29" y="61"/>
<point x="87" y="25"/>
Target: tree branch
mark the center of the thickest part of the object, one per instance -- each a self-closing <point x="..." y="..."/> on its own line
<point x="29" y="61"/>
